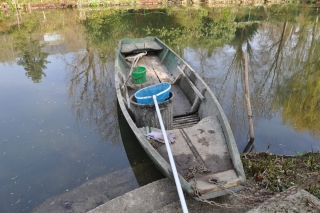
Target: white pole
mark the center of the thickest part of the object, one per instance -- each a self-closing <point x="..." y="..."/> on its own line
<point x="173" y="165"/>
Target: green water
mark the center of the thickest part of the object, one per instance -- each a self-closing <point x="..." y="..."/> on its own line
<point x="59" y="122"/>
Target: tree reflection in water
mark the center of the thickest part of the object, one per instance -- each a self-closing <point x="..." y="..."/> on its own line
<point x="278" y="47"/>
<point x="32" y="58"/>
<point x="92" y="92"/>
<point x="283" y="65"/>
<point x="298" y="96"/>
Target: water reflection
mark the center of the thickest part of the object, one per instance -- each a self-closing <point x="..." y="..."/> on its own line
<point x="91" y="92"/>
<point x="32" y="59"/>
<point x="281" y="56"/>
<point x="64" y="129"/>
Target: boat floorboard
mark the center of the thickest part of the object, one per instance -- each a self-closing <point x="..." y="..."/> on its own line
<point x="153" y="63"/>
<point x="208" y="138"/>
<point x="203" y="145"/>
<point x="216" y="182"/>
<point x="183" y="155"/>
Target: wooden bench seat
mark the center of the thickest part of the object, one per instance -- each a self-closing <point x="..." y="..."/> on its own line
<point x="140" y="47"/>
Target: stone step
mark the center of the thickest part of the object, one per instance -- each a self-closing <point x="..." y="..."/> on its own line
<point x="148" y="198"/>
<point x="161" y="197"/>
<point x="90" y="194"/>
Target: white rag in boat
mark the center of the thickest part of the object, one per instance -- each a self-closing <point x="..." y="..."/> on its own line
<point x="158" y="136"/>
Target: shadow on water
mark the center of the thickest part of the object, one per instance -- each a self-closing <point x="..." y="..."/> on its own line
<point x="144" y="169"/>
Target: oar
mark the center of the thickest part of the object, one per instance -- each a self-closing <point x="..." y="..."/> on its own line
<point x="173" y="165"/>
<point x="134" y="62"/>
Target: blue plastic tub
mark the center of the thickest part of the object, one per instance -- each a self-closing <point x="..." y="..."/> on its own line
<point x="162" y="91"/>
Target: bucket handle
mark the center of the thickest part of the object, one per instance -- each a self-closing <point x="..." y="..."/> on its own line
<point x="137" y="78"/>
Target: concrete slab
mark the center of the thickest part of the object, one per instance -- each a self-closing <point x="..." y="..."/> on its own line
<point x="145" y="199"/>
<point x="297" y="202"/>
<point x="161" y="197"/>
<point x="90" y="194"/>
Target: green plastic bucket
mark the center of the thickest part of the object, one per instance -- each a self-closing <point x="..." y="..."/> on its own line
<point x="139" y="75"/>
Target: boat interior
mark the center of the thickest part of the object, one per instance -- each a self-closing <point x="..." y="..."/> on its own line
<point x="200" y="136"/>
<point x="185" y="103"/>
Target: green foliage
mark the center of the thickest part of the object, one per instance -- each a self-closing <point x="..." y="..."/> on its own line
<point x="315" y="190"/>
<point x="12" y="7"/>
<point x="94" y="4"/>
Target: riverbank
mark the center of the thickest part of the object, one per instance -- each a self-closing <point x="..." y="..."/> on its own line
<point x="273" y="183"/>
<point x="276" y="173"/>
<point x="161" y="197"/>
<point x="269" y="177"/>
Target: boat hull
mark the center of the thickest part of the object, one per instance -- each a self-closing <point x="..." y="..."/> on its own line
<point x="187" y="87"/>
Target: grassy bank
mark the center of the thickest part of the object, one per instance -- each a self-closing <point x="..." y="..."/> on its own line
<point x="278" y="173"/>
